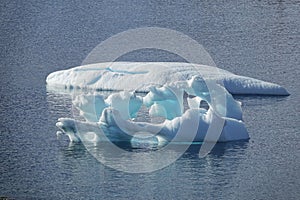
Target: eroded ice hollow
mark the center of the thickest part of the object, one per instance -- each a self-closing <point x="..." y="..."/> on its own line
<point x="112" y="117"/>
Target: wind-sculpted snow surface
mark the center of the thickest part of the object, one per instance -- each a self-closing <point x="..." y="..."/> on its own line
<point x="120" y="76"/>
<point x="112" y="118"/>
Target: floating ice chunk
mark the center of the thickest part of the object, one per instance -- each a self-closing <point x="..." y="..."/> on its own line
<point x="113" y="113"/>
<point x="110" y="118"/>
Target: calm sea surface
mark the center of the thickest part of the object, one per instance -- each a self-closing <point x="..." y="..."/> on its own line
<point x="260" y="39"/>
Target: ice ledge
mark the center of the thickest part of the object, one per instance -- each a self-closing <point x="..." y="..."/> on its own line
<point x="140" y="76"/>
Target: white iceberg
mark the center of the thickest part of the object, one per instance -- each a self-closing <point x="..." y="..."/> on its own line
<point x="111" y="118"/>
<point x="167" y="85"/>
<point x="140" y="76"/>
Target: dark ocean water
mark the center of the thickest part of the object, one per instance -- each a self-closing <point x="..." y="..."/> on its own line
<point x="260" y="39"/>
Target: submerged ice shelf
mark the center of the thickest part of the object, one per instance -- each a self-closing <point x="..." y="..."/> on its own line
<point x="112" y="117"/>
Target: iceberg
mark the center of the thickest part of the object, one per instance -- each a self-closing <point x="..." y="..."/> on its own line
<point x="112" y="117"/>
<point x="120" y="75"/>
<point x="166" y="87"/>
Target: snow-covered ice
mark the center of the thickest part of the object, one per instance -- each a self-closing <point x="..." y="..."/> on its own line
<point x="140" y="76"/>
